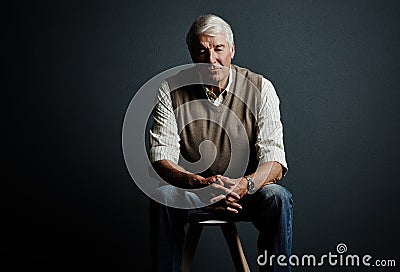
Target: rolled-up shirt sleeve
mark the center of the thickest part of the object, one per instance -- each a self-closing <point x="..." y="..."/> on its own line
<point x="269" y="143"/>
<point x="164" y="138"/>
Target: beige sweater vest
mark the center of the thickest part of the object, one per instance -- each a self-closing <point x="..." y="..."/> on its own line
<point x="218" y="139"/>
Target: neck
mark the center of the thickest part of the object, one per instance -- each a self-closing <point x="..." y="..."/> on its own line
<point x="217" y="90"/>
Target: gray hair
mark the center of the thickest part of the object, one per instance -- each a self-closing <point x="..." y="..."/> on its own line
<point x="209" y="24"/>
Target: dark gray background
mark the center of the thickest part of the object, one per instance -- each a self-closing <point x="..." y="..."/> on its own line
<point x="72" y="68"/>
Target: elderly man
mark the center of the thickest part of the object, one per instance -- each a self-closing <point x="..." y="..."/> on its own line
<point x="253" y="195"/>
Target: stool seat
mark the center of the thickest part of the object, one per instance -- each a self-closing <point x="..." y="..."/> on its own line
<point x="231" y="236"/>
<point x="213" y="222"/>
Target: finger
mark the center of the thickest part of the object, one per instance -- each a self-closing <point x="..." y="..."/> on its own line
<point x="227" y="181"/>
<point x="232" y="210"/>
<point x="219" y="181"/>
<point x="212" y="179"/>
<point x="217" y="198"/>
<point x="234" y="195"/>
<point x="234" y="205"/>
<point x="232" y="198"/>
<point x="221" y="189"/>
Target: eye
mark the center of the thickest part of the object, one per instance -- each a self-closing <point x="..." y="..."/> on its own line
<point x="201" y="51"/>
<point x="219" y="48"/>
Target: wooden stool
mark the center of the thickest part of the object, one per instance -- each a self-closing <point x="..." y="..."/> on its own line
<point x="231" y="236"/>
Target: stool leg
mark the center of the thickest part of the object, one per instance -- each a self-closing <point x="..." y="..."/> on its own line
<point x="192" y="240"/>
<point x="235" y="247"/>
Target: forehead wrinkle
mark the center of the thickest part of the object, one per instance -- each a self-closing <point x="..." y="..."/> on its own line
<point x="212" y="41"/>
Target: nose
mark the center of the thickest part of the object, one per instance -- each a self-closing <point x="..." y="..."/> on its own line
<point x="211" y="57"/>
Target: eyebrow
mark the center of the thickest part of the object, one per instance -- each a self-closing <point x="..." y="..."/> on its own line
<point x="220" y="45"/>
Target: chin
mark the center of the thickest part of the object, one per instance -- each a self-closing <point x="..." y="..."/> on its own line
<point x="217" y="77"/>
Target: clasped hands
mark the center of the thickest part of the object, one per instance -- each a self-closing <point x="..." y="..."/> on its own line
<point x="227" y="192"/>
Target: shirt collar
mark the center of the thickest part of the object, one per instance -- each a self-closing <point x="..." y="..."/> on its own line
<point x="211" y="96"/>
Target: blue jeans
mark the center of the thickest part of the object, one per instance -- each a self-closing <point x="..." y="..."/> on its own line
<point x="270" y="210"/>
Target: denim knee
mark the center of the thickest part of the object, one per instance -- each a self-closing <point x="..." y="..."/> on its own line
<point x="277" y="195"/>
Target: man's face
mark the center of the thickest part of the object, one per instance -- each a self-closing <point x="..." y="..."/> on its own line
<point x="215" y="51"/>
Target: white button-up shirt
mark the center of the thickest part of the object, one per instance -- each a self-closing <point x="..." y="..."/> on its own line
<point x="164" y="138"/>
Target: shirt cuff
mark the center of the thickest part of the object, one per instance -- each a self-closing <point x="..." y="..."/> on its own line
<point x="275" y="154"/>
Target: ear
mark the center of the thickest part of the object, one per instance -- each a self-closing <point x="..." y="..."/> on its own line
<point x="232" y="50"/>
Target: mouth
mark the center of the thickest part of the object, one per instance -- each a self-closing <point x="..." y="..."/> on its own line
<point x="214" y="71"/>
<point x="215" y="68"/>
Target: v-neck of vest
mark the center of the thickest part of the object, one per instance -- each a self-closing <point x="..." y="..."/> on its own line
<point x="224" y="102"/>
<point x="229" y="95"/>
